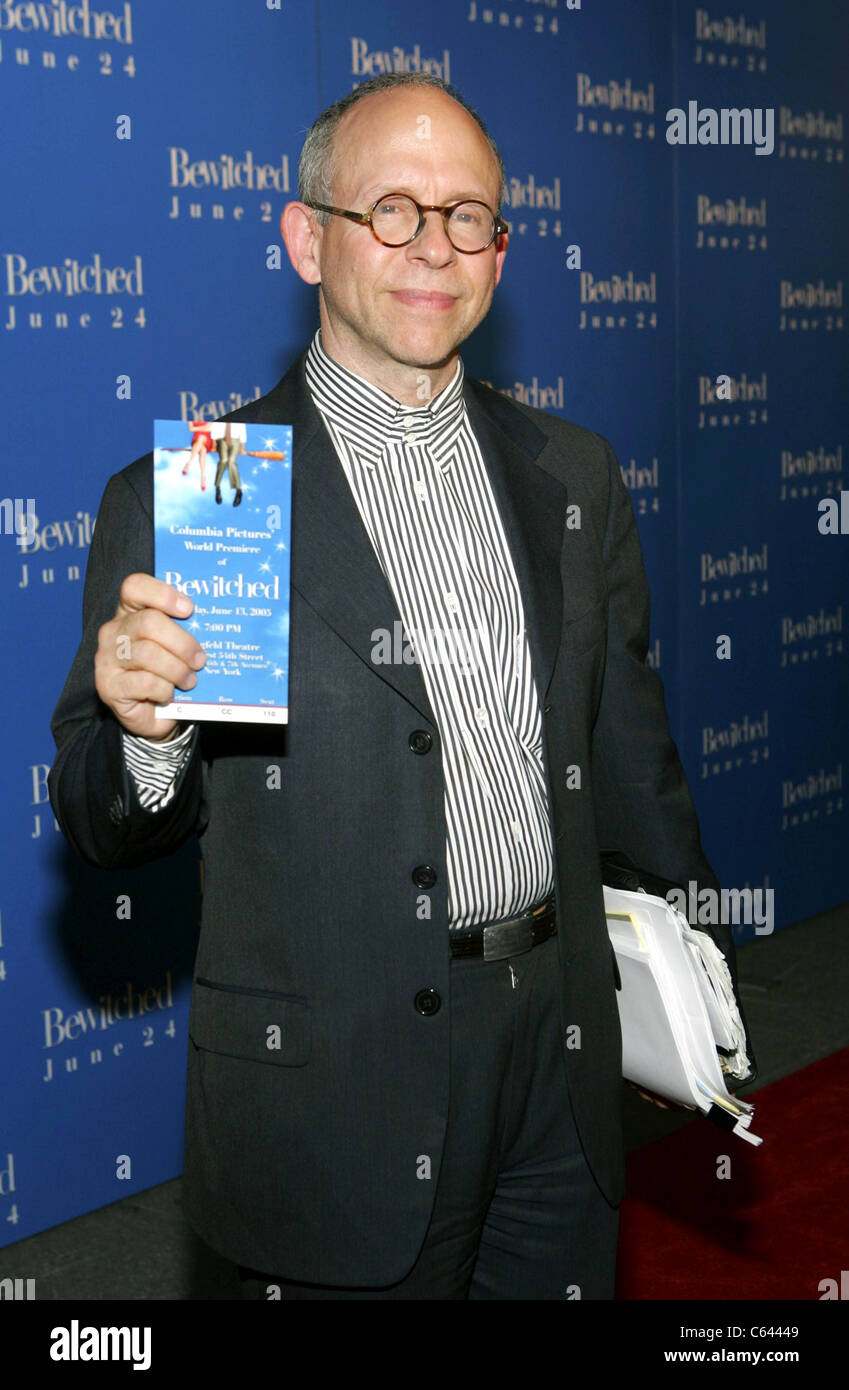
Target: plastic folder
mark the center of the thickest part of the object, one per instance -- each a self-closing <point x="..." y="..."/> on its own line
<point x="682" y="1033"/>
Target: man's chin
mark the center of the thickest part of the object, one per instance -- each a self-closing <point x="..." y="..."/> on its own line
<point x="425" y="350"/>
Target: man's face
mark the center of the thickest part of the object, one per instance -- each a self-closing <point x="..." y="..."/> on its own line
<point x="410" y="305"/>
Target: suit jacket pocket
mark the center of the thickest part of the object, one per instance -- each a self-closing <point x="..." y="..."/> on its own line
<point x="258" y="1025"/>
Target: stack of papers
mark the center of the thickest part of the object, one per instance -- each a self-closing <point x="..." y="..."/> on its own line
<point x="681" y="1027"/>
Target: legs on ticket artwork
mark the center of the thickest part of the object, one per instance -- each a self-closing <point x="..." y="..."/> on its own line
<point x="228" y="442"/>
<point x="201" y="444"/>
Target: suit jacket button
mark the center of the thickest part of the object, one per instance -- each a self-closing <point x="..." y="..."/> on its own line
<point x="428" y="1002"/>
<point x="424" y="876"/>
<point x="421" y="741"/>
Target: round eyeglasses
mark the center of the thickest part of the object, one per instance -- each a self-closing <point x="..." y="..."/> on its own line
<point x="396" y="219"/>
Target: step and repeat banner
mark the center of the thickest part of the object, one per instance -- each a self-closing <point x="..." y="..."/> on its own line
<point x="677" y="203"/>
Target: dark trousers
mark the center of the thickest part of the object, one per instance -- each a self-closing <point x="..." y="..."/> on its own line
<point x="517" y="1213"/>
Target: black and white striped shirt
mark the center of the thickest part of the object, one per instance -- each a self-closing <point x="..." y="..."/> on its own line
<point x="425" y="499"/>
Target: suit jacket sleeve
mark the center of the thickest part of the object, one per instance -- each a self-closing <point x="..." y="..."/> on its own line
<point x="642" y="800"/>
<point x="93" y="795"/>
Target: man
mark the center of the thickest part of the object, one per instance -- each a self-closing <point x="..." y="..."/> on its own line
<point x="442" y="1115"/>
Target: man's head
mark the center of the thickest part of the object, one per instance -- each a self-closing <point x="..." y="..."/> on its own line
<point x="403" y="133"/>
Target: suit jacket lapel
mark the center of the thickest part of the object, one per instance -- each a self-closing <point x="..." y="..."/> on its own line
<point x="335" y="569"/>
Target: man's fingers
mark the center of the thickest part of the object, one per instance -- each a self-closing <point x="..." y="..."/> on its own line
<point x="127" y="639"/>
<point x="656" y="1100"/>
<point x="138" y="687"/>
<point x="649" y="1095"/>
<point x="144" y="591"/>
<point x="143" y="654"/>
<point x="143" y="657"/>
<point x="154" y="627"/>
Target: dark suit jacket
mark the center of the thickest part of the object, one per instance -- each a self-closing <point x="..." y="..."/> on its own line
<point x="303" y="1161"/>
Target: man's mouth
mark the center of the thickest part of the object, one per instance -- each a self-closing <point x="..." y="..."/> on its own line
<point x="424" y="299"/>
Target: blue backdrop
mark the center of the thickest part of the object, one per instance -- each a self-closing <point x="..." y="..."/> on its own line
<point x="149" y="151"/>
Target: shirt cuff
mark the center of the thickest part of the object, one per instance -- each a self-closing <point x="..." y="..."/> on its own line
<point x="155" y="766"/>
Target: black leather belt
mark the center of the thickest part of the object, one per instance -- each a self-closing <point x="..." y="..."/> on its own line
<point x="508" y="938"/>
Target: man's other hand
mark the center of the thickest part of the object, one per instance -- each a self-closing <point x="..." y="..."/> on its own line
<point x="657" y="1100"/>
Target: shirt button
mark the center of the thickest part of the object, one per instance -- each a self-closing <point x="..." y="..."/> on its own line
<point x="516" y="829"/>
<point x="451" y="603"/>
<point x="482" y="717"/>
<point x="420" y="490"/>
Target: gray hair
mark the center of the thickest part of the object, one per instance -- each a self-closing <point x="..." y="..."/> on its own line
<point x="316" y="168"/>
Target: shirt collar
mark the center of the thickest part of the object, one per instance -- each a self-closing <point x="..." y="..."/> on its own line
<point x="369" y="416"/>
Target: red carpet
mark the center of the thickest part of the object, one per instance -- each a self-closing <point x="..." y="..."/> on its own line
<point x="774" y="1228"/>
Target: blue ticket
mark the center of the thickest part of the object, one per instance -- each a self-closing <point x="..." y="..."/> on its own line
<point x="222" y="499"/>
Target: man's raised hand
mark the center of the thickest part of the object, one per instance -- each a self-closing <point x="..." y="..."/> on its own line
<point x="143" y="653"/>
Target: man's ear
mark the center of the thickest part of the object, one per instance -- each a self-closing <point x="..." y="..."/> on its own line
<point x="500" y="255"/>
<point x="302" y="238"/>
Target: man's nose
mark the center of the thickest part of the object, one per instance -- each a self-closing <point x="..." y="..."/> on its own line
<point x="432" y="241"/>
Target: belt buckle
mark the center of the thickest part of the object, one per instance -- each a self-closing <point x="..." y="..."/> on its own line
<point x="507" y="939"/>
